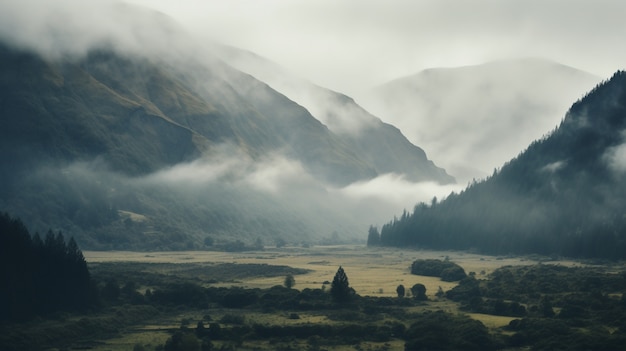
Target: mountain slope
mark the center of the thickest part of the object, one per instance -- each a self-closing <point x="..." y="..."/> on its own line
<point x="459" y="114"/>
<point x="128" y="133"/>
<point x="564" y="195"/>
<point x="140" y="116"/>
<point x="381" y="144"/>
<point x="61" y="113"/>
<point x="126" y="151"/>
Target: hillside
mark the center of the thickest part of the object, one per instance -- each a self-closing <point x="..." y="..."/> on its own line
<point x="381" y="144"/>
<point x="458" y="114"/>
<point x="141" y="116"/>
<point x="564" y="195"/>
<point x="128" y="151"/>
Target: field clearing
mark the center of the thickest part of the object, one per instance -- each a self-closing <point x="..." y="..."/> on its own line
<point x="371" y="271"/>
<point x="147" y="338"/>
<point x="491" y="321"/>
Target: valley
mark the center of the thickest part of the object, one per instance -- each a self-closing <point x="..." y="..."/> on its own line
<point x="373" y="273"/>
<point x="162" y="190"/>
<point x="369" y="270"/>
<point x="282" y="298"/>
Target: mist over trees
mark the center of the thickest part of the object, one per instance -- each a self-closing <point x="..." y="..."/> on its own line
<point x="40" y="276"/>
<point x="564" y="195"/>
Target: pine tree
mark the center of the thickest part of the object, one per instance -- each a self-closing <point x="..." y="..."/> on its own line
<point x="340" y="288"/>
<point x="373" y="237"/>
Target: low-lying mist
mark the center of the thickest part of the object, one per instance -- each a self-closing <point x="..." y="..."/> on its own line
<point x="226" y="196"/>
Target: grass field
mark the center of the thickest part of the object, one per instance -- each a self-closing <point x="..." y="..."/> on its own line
<point x="372" y="272"/>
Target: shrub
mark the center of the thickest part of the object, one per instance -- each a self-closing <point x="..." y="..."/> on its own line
<point x="233" y="319"/>
<point x="419" y="292"/>
<point x="446" y="270"/>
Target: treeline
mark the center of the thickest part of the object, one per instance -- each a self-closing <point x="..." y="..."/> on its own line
<point x="40" y="276"/>
<point x="553" y="303"/>
<point x="564" y="195"/>
<point x="362" y="319"/>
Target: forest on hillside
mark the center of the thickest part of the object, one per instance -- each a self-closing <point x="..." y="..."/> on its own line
<point x="564" y="195"/>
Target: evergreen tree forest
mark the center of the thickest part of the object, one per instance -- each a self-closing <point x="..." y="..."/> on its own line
<point x="564" y="195"/>
<point x="40" y="276"/>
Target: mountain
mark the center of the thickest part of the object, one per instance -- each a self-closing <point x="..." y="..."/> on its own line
<point x="564" y="195"/>
<point x="141" y="116"/>
<point x="124" y="150"/>
<point x="381" y="144"/>
<point x="459" y="114"/>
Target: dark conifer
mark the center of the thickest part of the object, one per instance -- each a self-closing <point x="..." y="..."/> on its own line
<point x="373" y="237"/>
<point x="340" y="288"/>
<point x="40" y="277"/>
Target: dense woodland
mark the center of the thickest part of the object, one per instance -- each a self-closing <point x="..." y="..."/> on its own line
<point x="38" y="276"/>
<point x="552" y="307"/>
<point x="564" y="195"/>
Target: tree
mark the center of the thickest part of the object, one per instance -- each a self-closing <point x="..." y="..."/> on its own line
<point x="258" y="244"/>
<point x="545" y="307"/>
<point x="289" y="281"/>
<point x="52" y="275"/>
<point x="340" y="287"/>
<point x="182" y="341"/>
<point x="419" y="292"/>
<point x="400" y="291"/>
<point x="373" y="237"/>
<point x="280" y="242"/>
<point x="209" y="241"/>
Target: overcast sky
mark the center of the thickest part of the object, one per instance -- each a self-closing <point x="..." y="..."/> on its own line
<point x="351" y="45"/>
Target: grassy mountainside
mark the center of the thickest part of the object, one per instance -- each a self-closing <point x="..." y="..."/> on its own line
<point x="563" y="195"/>
<point x="60" y="113"/>
<point x="123" y="151"/>
<point x="140" y="116"/>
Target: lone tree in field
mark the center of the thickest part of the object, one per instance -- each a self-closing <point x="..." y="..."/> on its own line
<point x="400" y="291"/>
<point x="289" y="281"/>
<point x="419" y="292"/>
<point x="340" y="288"/>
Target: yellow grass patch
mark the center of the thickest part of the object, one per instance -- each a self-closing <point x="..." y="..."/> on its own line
<point x="126" y="342"/>
<point x="490" y="321"/>
<point x="369" y="271"/>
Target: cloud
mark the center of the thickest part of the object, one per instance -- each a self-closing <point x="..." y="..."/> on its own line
<point x="554" y="166"/>
<point x="73" y="27"/>
<point x="287" y="182"/>
<point x="347" y="46"/>
<point x="351" y="45"/>
<point x="392" y="193"/>
<point x="615" y="158"/>
<point x="273" y="173"/>
<point x="473" y="119"/>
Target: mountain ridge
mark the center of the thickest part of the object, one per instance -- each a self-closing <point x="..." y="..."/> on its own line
<point x="458" y="114"/>
<point x="563" y="195"/>
<point x="344" y="117"/>
<point x="195" y="151"/>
